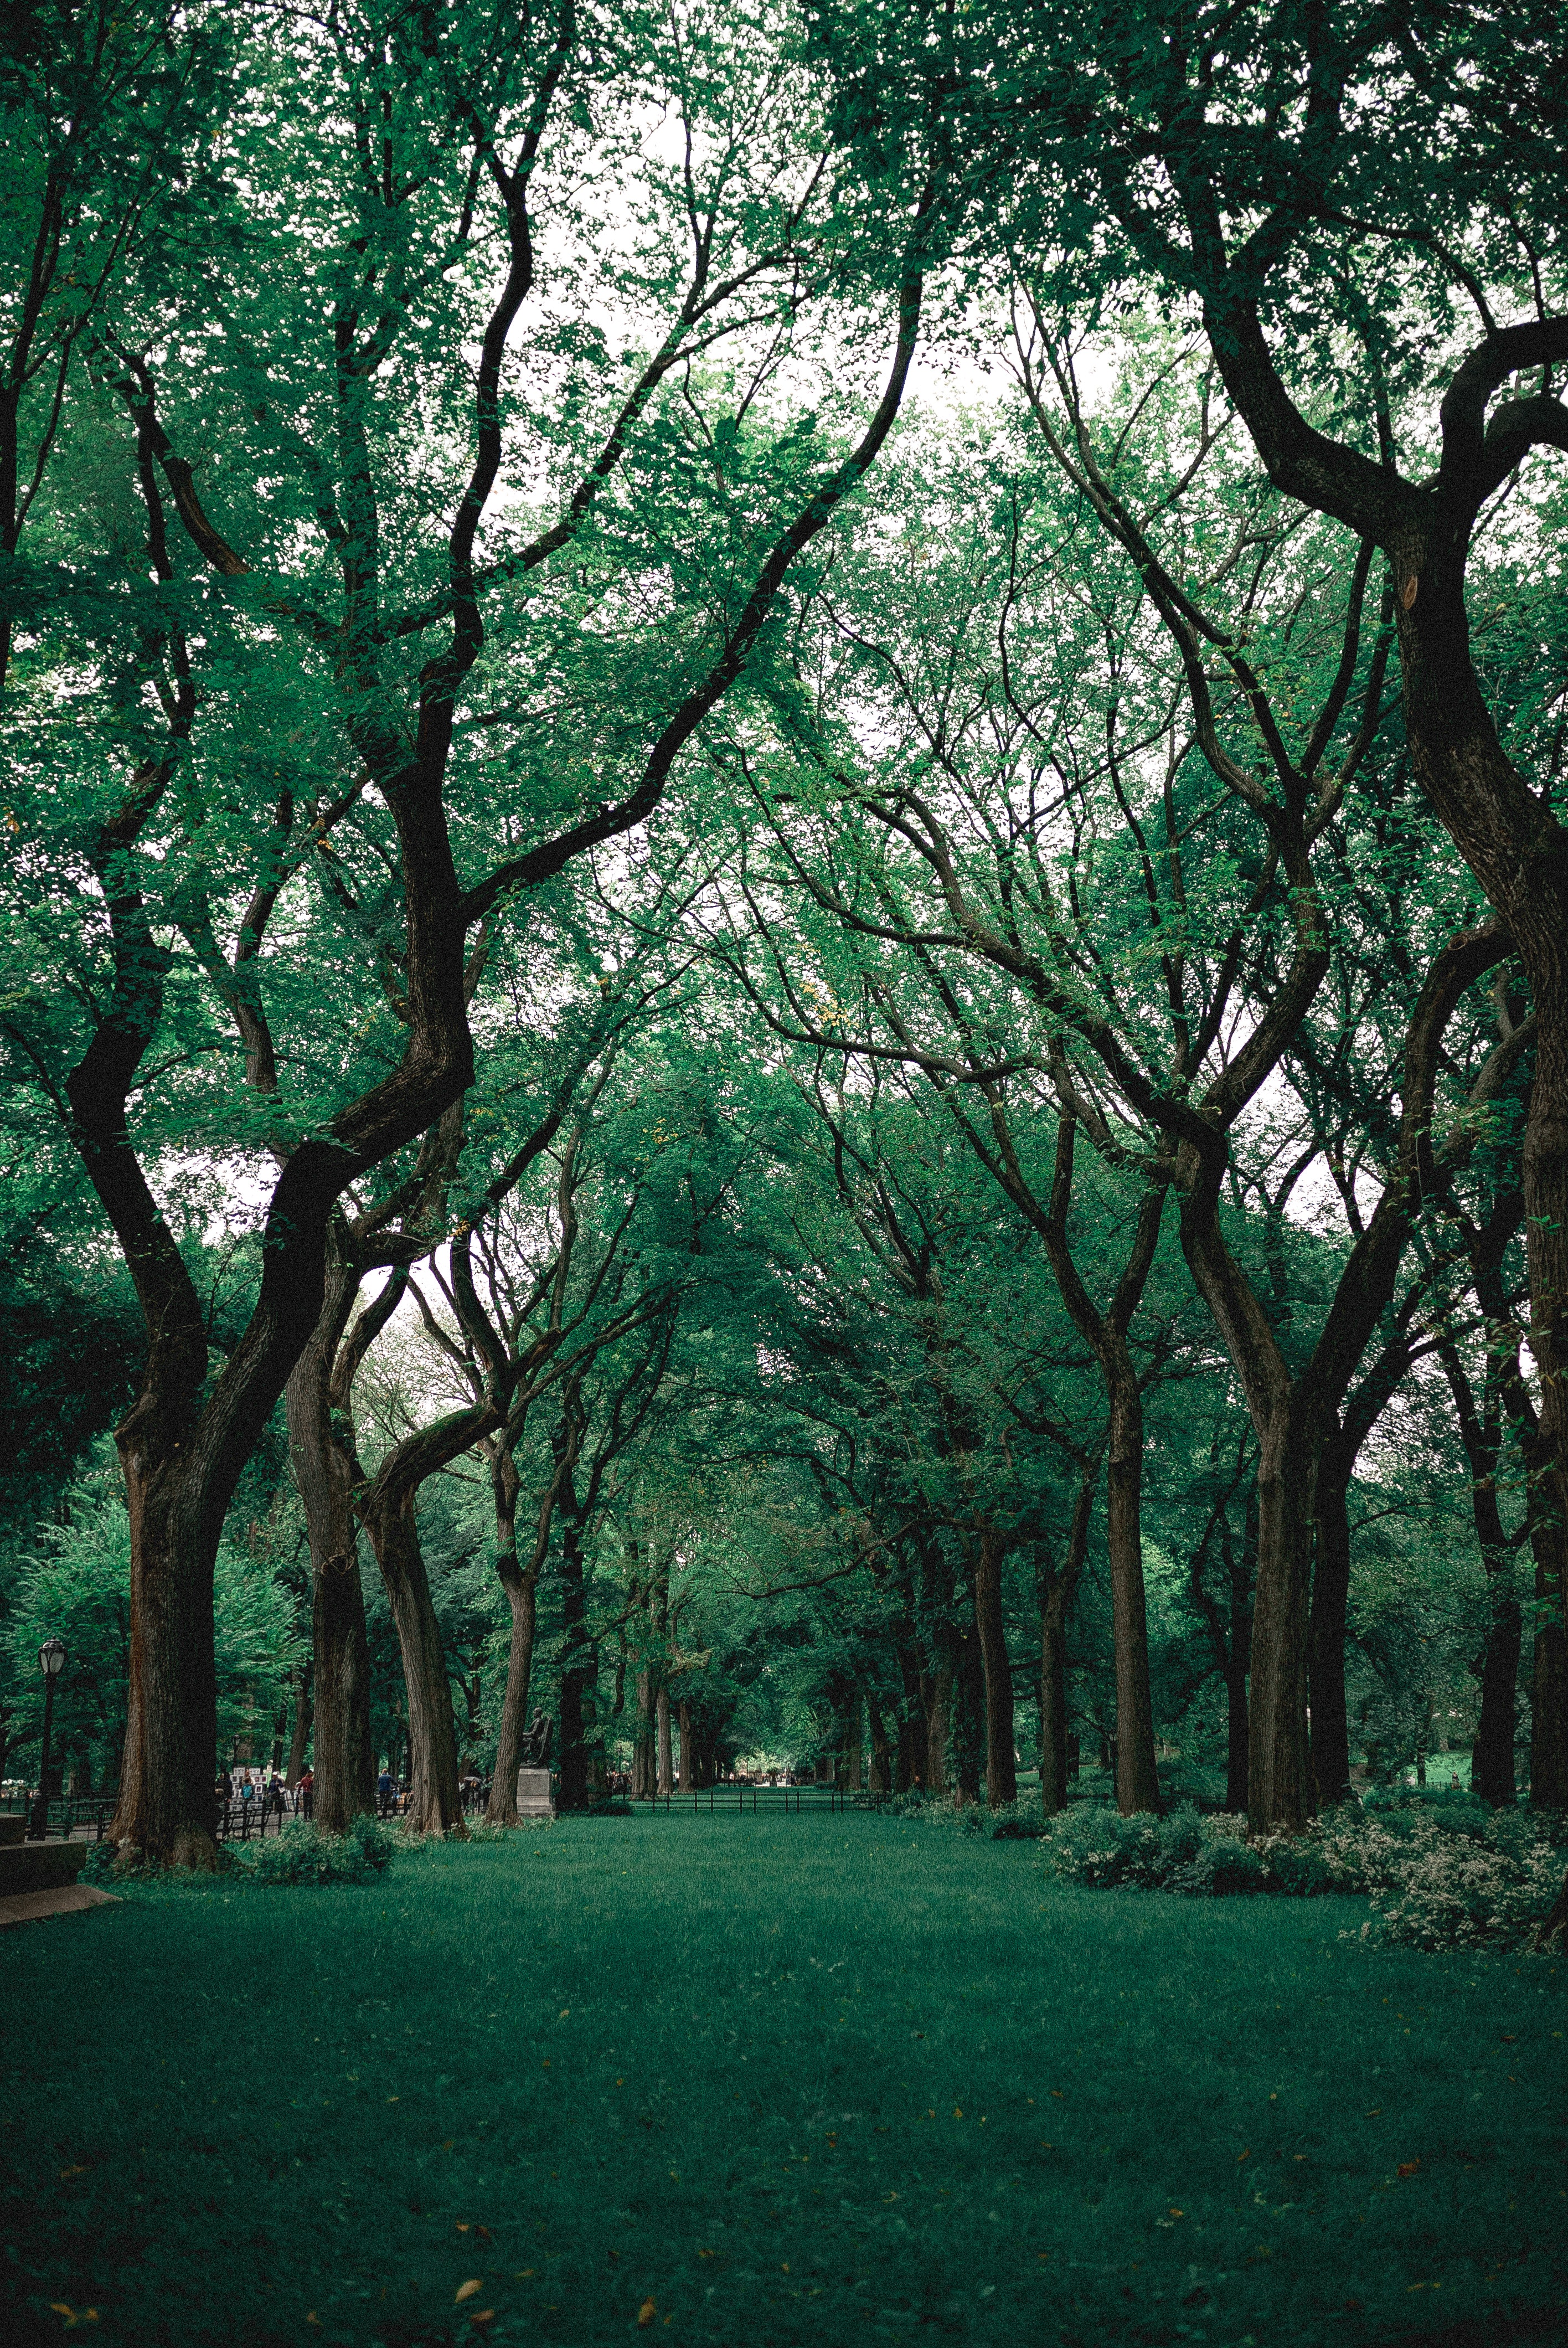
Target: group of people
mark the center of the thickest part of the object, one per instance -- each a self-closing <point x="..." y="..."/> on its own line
<point x="261" y="1797"/>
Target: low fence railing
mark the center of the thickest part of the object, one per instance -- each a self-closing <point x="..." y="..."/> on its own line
<point x="269" y="1811"/>
<point x="731" y="1795"/>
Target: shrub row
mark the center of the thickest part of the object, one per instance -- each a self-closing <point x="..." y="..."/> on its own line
<point x="1438" y="1877"/>
<point x="1438" y="1872"/>
<point x="300" y="1854"/>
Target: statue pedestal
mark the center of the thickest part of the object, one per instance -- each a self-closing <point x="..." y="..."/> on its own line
<point x="535" y="1799"/>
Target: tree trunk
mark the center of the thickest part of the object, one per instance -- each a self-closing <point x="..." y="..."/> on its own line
<point x="578" y="1663"/>
<point x="521" y="1589"/>
<point x="911" y="1767"/>
<point x="322" y="1453"/>
<point x="1001" y="1770"/>
<point x="435" y="1805"/>
<point x="1549" y="1707"/>
<point x="1236" y="1742"/>
<point x="645" y="1745"/>
<point x="1055" y="1592"/>
<point x="666" y="1784"/>
<point x="170" y="1762"/>
<point x="849" y="1769"/>
<point x="1137" y="1779"/>
<point x="1280" y="1790"/>
<point x="881" y="1756"/>
<point x="1330" y="1606"/>
<point x="1052" y="1704"/>
<point x="966" y="1721"/>
<point x="1492" y="1771"/>
<point x="940" y="1705"/>
<point x="302" y="1672"/>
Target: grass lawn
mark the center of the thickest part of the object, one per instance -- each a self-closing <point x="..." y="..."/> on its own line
<point x="748" y="2081"/>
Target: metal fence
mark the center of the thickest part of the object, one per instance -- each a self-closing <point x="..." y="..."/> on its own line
<point x="780" y="1800"/>
<point x="87" y="1815"/>
<point x="237" y="1821"/>
<point x="69" y="1813"/>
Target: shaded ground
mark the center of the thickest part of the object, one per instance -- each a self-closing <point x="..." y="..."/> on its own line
<point x="825" y="2079"/>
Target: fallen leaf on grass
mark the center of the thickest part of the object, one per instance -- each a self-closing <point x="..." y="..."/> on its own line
<point x="79" y="2169"/>
<point x="1409" y="2167"/>
<point x="483" y="2315"/>
<point x="1245" y="2154"/>
<point x="647" y="2311"/>
<point x="466" y="2290"/>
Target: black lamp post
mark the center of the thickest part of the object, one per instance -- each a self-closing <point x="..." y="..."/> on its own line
<point x="51" y="1662"/>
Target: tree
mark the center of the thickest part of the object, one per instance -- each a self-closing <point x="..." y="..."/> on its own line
<point x="319" y="655"/>
<point x="1361" y="207"/>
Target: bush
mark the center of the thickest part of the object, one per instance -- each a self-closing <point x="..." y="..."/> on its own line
<point x="1099" y="1847"/>
<point x="1220" y="1867"/>
<point x="1434" y="1888"/>
<point x="1444" y="1875"/>
<point x="303" y="1854"/>
<point x="1017" y="1821"/>
<point x="98" y="1865"/>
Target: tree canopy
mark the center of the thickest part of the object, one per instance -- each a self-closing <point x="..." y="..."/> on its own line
<point x="784" y="896"/>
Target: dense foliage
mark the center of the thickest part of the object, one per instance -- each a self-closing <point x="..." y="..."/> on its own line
<point x="767" y="969"/>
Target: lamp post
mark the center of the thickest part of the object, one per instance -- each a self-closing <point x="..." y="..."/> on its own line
<point x="51" y="1662"/>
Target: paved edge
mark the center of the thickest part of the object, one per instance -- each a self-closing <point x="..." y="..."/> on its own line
<point x="66" y="1899"/>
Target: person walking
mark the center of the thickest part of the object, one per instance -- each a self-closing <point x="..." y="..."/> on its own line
<point x="384" y="1792"/>
<point x="307" y="1792"/>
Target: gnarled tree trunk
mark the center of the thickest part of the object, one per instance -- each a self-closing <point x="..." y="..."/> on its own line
<point x="435" y="1804"/>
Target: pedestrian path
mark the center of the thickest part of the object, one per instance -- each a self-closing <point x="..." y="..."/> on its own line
<point x="64" y="1900"/>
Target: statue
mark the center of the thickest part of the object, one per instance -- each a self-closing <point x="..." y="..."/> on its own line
<point x="534" y="1752"/>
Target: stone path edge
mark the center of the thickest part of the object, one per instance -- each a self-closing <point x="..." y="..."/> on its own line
<point x="67" y="1899"/>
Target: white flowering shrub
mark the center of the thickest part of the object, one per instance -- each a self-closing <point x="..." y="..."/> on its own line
<point x="1436" y="1878"/>
<point x="1437" y="1890"/>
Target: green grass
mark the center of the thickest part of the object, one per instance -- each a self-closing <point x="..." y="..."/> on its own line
<point x="835" y="2080"/>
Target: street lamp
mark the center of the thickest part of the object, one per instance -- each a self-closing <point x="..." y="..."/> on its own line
<point x="51" y="1662"/>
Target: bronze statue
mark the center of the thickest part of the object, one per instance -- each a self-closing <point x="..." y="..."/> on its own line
<point x="534" y="1752"/>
